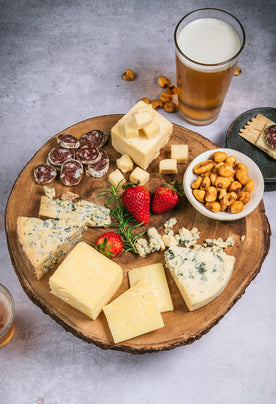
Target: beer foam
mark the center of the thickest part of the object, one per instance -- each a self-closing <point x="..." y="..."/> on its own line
<point x="5" y="311"/>
<point x="208" y="41"/>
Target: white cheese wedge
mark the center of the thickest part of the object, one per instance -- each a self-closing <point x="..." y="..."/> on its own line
<point x="88" y="212"/>
<point x="86" y="280"/>
<point x="133" y="313"/>
<point x="200" y="275"/>
<point x="141" y="149"/>
<point x="138" y="174"/>
<point x="44" y="242"/>
<point x="179" y="152"/>
<point x="155" y="276"/>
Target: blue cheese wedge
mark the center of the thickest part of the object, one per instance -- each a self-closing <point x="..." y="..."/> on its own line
<point x="44" y="242"/>
<point x="87" y="212"/>
<point x="200" y="275"/>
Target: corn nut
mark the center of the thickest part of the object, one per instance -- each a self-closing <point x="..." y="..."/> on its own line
<point x="211" y="194"/>
<point x="244" y="197"/>
<point x="213" y="206"/>
<point x="199" y="194"/>
<point x="225" y="170"/>
<point x="242" y="176"/>
<point x="231" y="160"/>
<point x="197" y="182"/>
<point x="249" y="186"/>
<point x="221" y="192"/>
<point x="235" y="186"/>
<point x="206" y="182"/>
<point x="229" y="198"/>
<point x="236" y="207"/>
<point x="222" y="182"/>
<point x="203" y="167"/>
<point x="219" y="156"/>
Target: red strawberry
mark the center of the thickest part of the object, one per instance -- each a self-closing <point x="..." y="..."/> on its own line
<point x="109" y="244"/>
<point x="136" y="199"/>
<point x="166" y="197"/>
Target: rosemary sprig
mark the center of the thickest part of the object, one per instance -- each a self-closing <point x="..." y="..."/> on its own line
<point x="123" y="219"/>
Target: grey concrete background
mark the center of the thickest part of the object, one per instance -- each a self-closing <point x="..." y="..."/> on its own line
<point x="61" y="62"/>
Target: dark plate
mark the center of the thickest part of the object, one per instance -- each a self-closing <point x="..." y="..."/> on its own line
<point x="266" y="164"/>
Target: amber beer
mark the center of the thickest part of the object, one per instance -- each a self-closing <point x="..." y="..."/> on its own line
<point x="208" y="44"/>
<point x="6" y="316"/>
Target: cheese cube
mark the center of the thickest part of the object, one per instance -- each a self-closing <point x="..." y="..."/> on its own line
<point x="151" y="130"/>
<point x="124" y="163"/>
<point x="141" y="149"/>
<point x="138" y="174"/>
<point x="179" y="152"/>
<point x="155" y="276"/>
<point x="143" y="118"/>
<point x="86" y="280"/>
<point x="115" y="177"/>
<point x="168" y="166"/>
<point x="133" y="313"/>
<point x="131" y="129"/>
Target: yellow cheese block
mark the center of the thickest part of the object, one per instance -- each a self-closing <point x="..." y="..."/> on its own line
<point x="143" y="148"/>
<point x="133" y="313"/>
<point x="86" y="280"/>
<point x="155" y="276"/>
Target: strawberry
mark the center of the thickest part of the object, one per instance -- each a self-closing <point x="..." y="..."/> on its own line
<point x="166" y="197"/>
<point x="136" y="199"/>
<point x="109" y="244"/>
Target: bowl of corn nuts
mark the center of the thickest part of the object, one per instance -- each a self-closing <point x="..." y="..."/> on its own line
<point x="223" y="184"/>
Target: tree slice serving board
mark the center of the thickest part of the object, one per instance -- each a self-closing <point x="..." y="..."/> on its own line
<point x="181" y="326"/>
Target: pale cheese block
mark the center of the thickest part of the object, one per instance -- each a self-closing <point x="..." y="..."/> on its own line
<point x="86" y="280"/>
<point x="133" y="313"/>
<point x="124" y="163"/>
<point x="200" y="275"/>
<point x="138" y="174"/>
<point x="44" y="242"/>
<point x="155" y="276"/>
<point x="179" y="152"/>
<point x="116" y="177"/>
<point x="168" y="166"/>
<point x="87" y="212"/>
<point x="142" y="149"/>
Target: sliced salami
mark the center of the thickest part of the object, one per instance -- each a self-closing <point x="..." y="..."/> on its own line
<point x="44" y="174"/>
<point x="100" y="168"/>
<point x="68" y="141"/>
<point x="71" y="172"/>
<point x="270" y="136"/>
<point x="88" y="154"/>
<point x="58" y="155"/>
<point x="95" y="138"/>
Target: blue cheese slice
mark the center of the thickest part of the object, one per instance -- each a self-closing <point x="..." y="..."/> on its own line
<point x="200" y="275"/>
<point x="91" y="214"/>
<point x="44" y="242"/>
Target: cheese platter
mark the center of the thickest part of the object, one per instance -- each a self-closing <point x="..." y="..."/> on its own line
<point x="251" y="236"/>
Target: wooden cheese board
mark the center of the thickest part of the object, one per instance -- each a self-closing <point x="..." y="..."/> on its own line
<point x="181" y="326"/>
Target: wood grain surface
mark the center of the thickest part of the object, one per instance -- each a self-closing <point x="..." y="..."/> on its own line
<point x="181" y="326"/>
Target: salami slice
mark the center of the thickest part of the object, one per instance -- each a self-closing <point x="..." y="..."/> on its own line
<point x="44" y="174"/>
<point x="100" y="168"/>
<point x="270" y="136"/>
<point x="88" y="154"/>
<point x="71" y="172"/>
<point x="68" y="141"/>
<point x="95" y="138"/>
<point x="58" y="155"/>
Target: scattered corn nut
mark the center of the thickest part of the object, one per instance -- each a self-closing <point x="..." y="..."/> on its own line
<point x="203" y="167"/>
<point x="238" y="71"/>
<point x="146" y="100"/>
<point x="213" y="206"/>
<point x="156" y="104"/>
<point x="199" y="194"/>
<point x="170" y="106"/>
<point x="211" y="194"/>
<point x="163" y="81"/>
<point x="219" y="156"/>
<point x="129" y="75"/>
<point x="236" y="207"/>
<point x="164" y="97"/>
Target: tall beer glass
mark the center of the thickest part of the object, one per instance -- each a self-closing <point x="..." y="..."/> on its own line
<point x="6" y="316"/>
<point x="208" y="44"/>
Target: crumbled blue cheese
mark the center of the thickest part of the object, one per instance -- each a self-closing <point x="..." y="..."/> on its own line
<point x="168" y="226"/>
<point x="187" y="238"/>
<point x="155" y="240"/>
<point x="217" y="244"/>
<point x="49" y="191"/>
<point x="169" y="240"/>
<point x="142" y="246"/>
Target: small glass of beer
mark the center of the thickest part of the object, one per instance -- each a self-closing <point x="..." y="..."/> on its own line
<point x="6" y="316"/>
<point x="208" y="44"/>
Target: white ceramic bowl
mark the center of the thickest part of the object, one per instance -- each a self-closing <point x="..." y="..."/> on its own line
<point x="253" y="172"/>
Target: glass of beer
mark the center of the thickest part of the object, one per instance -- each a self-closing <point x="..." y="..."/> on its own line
<point x="6" y="316"/>
<point x="208" y="44"/>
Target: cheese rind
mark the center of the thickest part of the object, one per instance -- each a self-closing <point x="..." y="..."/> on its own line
<point x="155" y="276"/>
<point x="87" y="212"/>
<point x="141" y="149"/>
<point x="86" y="280"/>
<point x="44" y="242"/>
<point x="200" y="275"/>
<point x="133" y="313"/>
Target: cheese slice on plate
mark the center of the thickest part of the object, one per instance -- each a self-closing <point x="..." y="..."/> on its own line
<point x="86" y="280"/>
<point x="44" y="242"/>
<point x="133" y="313"/>
<point x="91" y="214"/>
<point x="200" y="275"/>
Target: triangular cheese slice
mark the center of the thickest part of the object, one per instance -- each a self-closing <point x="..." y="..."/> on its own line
<point x="200" y="275"/>
<point x="44" y="242"/>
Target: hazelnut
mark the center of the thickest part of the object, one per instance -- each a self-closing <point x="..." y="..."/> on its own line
<point x="164" y="97"/>
<point x="163" y="81"/>
<point x="146" y="100"/>
<point x="170" y="106"/>
<point x="156" y="104"/>
<point x="129" y="75"/>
